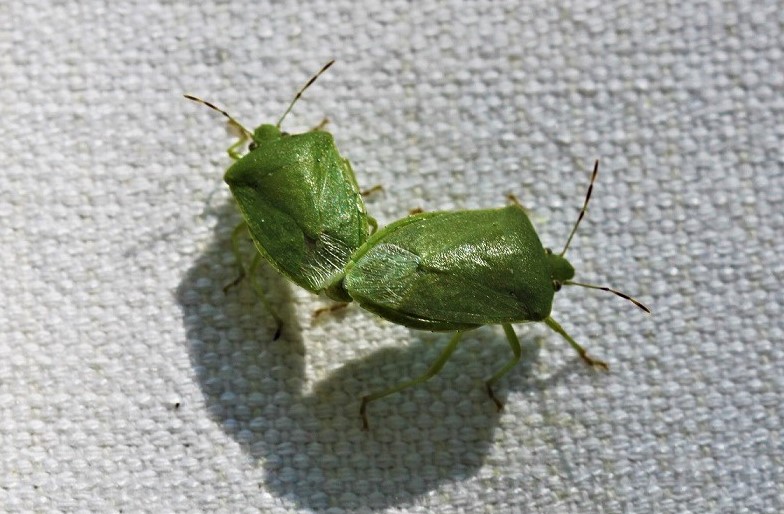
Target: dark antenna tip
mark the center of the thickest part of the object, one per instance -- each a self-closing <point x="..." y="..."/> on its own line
<point x="247" y="133"/>
<point x="585" y="206"/>
<point x="610" y="290"/>
<point x="302" y="90"/>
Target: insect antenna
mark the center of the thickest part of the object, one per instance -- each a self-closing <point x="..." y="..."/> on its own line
<point x="245" y="132"/>
<point x="585" y="206"/>
<point x="299" y="93"/>
<point x="610" y="290"/>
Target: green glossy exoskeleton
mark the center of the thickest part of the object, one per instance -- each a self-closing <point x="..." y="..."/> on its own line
<point x="457" y="271"/>
<point x="299" y="201"/>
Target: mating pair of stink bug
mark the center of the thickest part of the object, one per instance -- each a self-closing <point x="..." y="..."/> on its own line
<point x="438" y="271"/>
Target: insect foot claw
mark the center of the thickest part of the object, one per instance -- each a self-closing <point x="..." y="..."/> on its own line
<point x="362" y="409"/>
<point x="498" y="405"/>
<point x="375" y="189"/>
<point x="318" y="313"/>
<point x="233" y="283"/>
<point x="595" y="363"/>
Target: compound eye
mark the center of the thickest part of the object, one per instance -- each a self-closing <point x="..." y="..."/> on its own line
<point x="548" y="251"/>
<point x="556" y="285"/>
<point x="252" y="146"/>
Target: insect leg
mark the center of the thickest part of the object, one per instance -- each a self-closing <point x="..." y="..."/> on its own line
<point x="234" y="150"/>
<point x="254" y="282"/>
<point x="373" y="224"/>
<point x="516" y="201"/>
<point x="579" y="349"/>
<point x="514" y="343"/>
<point x="320" y="126"/>
<point x="235" y="249"/>
<point x="430" y="373"/>
<point x="375" y="189"/>
<point x="335" y="307"/>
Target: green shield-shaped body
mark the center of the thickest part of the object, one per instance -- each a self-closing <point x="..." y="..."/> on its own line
<point x="302" y="205"/>
<point x="446" y="271"/>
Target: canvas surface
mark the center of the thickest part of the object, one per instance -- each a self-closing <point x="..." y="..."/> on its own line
<point x="129" y="380"/>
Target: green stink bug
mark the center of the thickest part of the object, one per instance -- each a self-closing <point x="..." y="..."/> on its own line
<point x="457" y="271"/>
<point x="299" y="201"/>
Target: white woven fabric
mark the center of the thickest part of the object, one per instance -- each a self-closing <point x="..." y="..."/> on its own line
<point x="129" y="381"/>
